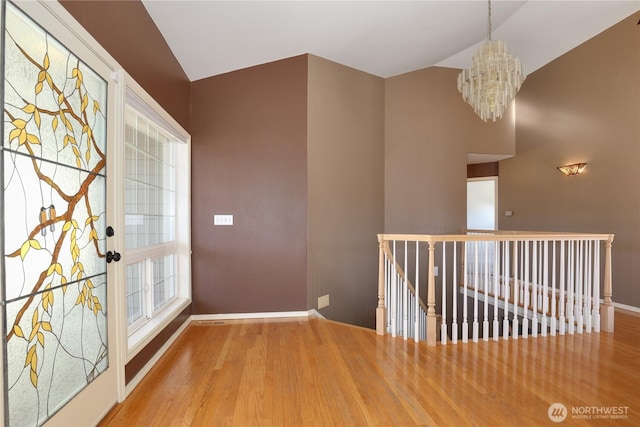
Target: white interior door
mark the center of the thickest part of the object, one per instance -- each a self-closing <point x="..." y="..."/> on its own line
<point x="482" y="209"/>
<point x="59" y="111"/>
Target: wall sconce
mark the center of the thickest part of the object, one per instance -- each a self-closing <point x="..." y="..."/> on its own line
<point x="574" y="169"/>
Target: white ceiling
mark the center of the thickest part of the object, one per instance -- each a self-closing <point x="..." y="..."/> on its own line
<point x="384" y="38"/>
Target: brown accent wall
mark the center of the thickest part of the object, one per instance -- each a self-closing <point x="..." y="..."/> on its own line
<point x="582" y="107"/>
<point x="346" y="189"/>
<point x="249" y="159"/>
<point x="482" y="170"/>
<point x="429" y="131"/>
<point x="127" y="32"/>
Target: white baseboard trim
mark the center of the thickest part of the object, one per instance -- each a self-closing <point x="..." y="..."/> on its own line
<point x="240" y="316"/>
<point x="626" y="307"/>
<point x="315" y="313"/>
<point x="151" y="363"/>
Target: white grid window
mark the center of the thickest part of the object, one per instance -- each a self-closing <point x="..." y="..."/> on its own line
<point x="164" y="280"/>
<point x="151" y="217"/>
<point x="150" y="184"/>
<point x="135" y="292"/>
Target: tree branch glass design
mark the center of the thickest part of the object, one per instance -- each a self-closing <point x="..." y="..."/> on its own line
<point x="54" y="164"/>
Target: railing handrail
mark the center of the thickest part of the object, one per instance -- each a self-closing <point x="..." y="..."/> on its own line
<point x="497" y="235"/>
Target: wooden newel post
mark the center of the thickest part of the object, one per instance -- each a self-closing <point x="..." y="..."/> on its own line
<point x="607" y="311"/>
<point x="381" y="312"/>
<point x="431" y="298"/>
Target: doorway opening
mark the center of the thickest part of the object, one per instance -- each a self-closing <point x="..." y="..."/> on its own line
<point x="482" y="203"/>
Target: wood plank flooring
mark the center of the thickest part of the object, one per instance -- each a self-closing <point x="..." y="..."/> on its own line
<point x="313" y="372"/>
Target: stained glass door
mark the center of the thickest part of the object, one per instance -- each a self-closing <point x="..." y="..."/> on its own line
<point x="54" y="271"/>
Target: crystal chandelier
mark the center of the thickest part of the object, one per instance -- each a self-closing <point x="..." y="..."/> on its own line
<point x="492" y="80"/>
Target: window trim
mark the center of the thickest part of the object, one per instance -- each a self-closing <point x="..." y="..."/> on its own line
<point x="136" y="98"/>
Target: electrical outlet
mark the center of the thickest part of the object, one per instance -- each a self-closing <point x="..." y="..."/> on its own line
<point x="323" y="301"/>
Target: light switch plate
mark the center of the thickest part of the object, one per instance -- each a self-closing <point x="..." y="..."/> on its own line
<point x="223" y="220"/>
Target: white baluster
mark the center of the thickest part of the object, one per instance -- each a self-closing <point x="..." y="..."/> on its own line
<point x="545" y="288"/>
<point x="485" y="322"/>
<point x="454" y="296"/>
<point x="534" y="286"/>
<point x="522" y="281"/>
<point x="516" y="291"/>
<point x="525" y="320"/>
<point x="562" y="319"/>
<point x="476" y="273"/>
<point x="406" y="333"/>
<point x="432" y="326"/>
<point x="443" y="325"/>
<point x="588" y="287"/>
<point x="415" y="324"/>
<point x="405" y="298"/>
<point x="465" y="324"/>
<point x="496" y="291"/>
<point x="417" y="285"/>
<point x="596" y="289"/>
<point x="506" y="276"/>
<point x="387" y="294"/>
<point x="398" y="299"/>
<point x="579" y="288"/>
<point x="554" y="320"/>
<point x="394" y="294"/>
<point x="571" y="265"/>
<point x="540" y="278"/>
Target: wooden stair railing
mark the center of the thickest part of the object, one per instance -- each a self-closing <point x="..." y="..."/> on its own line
<point x="525" y="257"/>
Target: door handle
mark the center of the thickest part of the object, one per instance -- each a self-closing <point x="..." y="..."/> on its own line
<point x="113" y="256"/>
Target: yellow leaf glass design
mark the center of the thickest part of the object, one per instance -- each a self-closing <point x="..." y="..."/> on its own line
<point x="54" y="163"/>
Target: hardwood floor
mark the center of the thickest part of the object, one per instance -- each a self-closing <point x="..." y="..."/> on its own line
<point x="312" y="372"/>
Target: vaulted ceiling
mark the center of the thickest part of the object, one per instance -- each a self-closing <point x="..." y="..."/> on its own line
<point x="384" y="38"/>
